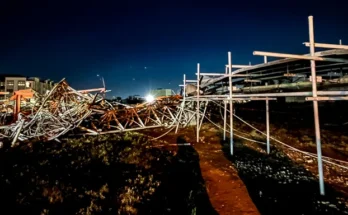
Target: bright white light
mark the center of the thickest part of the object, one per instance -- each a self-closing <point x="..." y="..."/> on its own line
<point x="150" y="98"/>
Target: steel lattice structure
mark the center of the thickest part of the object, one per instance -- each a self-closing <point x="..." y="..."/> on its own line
<point x="65" y="109"/>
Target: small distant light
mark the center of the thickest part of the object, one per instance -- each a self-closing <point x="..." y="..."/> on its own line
<point x="150" y="98"/>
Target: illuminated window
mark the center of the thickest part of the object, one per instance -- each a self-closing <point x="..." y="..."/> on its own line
<point x="10" y="83"/>
<point x="21" y="83"/>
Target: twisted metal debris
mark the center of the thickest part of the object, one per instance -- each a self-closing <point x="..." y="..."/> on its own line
<point x="65" y="109"/>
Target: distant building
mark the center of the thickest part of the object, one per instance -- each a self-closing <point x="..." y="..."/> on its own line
<point x="34" y="83"/>
<point x="40" y="86"/>
<point x="161" y="92"/>
<point x="10" y="83"/>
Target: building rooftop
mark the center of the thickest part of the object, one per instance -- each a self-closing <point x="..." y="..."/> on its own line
<point x="3" y="76"/>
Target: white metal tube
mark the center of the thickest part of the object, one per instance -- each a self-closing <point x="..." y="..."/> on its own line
<point x="234" y="99"/>
<point x="267" y="126"/>
<point x="328" y="46"/>
<point x="197" y="111"/>
<point x="225" y="114"/>
<point x="303" y="57"/>
<point x="267" y="118"/>
<point x="182" y="104"/>
<point x="320" y="93"/>
<point x="240" y="66"/>
<point x="315" y="107"/>
<point x="226" y="75"/>
<point x="336" y="98"/>
<point x="203" y="116"/>
<point x="184" y="87"/>
<point x="231" y="101"/>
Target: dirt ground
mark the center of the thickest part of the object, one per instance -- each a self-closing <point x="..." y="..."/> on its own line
<point x="226" y="191"/>
<point x="252" y="182"/>
<point x="134" y="174"/>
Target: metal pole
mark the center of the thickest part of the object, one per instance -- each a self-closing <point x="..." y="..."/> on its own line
<point x="197" y="122"/>
<point x="225" y="114"/>
<point x="328" y="46"/>
<point x="184" y="88"/>
<point x="267" y="126"/>
<point x="184" y="96"/>
<point x="239" y="66"/>
<point x="182" y="104"/>
<point x="267" y="118"/>
<point x="340" y="42"/>
<point x="203" y="116"/>
<point x="304" y="57"/>
<point x="315" y="107"/>
<point x="231" y="102"/>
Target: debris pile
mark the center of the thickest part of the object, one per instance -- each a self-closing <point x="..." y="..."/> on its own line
<point x="65" y="109"/>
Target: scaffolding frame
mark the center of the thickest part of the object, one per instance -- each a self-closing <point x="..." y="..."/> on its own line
<point x="314" y="95"/>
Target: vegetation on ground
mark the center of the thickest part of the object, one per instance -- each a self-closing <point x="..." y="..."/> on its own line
<point x="97" y="175"/>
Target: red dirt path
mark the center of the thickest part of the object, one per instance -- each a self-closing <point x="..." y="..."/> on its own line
<point x="226" y="191"/>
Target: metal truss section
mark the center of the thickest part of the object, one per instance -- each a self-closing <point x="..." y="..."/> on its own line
<point x="65" y="109"/>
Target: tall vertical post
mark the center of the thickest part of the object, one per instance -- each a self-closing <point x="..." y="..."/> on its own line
<point x="184" y="96"/>
<point x="197" y="122"/>
<point x="225" y="114"/>
<point x="182" y="104"/>
<point x="267" y="126"/>
<point x="17" y="107"/>
<point x="231" y="101"/>
<point x="315" y="107"/>
<point x="340" y="42"/>
<point x="267" y="118"/>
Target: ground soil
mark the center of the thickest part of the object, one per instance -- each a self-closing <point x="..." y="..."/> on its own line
<point x="252" y="182"/>
<point x="134" y="174"/>
<point x="226" y="191"/>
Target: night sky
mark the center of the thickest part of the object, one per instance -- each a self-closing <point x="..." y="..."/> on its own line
<point x="140" y="45"/>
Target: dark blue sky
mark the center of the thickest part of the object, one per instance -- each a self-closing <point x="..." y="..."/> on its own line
<point x="80" y="39"/>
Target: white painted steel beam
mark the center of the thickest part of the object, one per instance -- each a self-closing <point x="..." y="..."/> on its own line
<point x="328" y="46"/>
<point x="301" y="57"/>
<point x="289" y="94"/>
<point x="226" y="75"/>
<point x="234" y="99"/>
<point x="315" y="106"/>
<point x="197" y="108"/>
<point x="239" y="66"/>
<point x="336" y="98"/>
<point x="230" y="98"/>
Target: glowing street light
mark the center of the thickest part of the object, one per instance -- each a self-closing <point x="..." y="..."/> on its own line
<point x="149" y="98"/>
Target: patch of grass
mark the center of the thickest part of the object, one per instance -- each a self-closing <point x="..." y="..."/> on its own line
<point x="111" y="174"/>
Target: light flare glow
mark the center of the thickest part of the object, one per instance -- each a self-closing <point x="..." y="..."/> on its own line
<point x="150" y="98"/>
